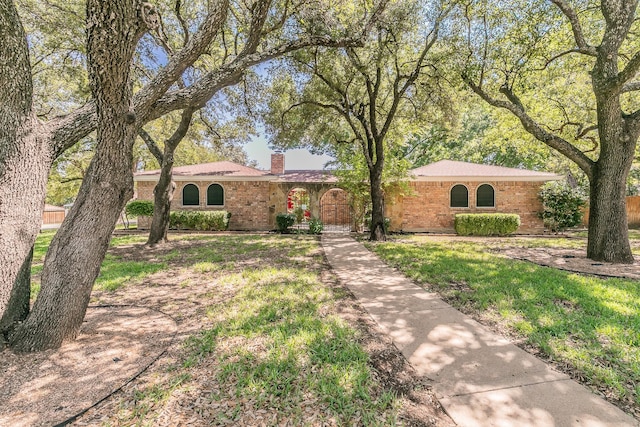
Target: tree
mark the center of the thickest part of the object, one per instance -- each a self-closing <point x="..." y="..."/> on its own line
<point x="369" y="96"/>
<point x="28" y="145"/>
<point x="536" y="56"/>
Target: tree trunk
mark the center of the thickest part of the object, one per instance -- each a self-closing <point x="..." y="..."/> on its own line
<point x="162" y="197"/>
<point x="163" y="191"/>
<point x="25" y="158"/>
<point x="18" y="306"/>
<point x="76" y="252"/>
<point x="608" y="237"/>
<point x="377" y="204"/>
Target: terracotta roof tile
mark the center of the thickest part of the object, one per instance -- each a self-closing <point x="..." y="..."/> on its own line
<point x="210" y="169"/>
<point x="450" y="168"/>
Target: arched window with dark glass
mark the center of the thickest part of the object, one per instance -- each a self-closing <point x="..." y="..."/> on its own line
<point x="485" y="196"/>
<point x="190" y="195"/>
<point x="215" y="195"/>
<point x="459" y="196"/>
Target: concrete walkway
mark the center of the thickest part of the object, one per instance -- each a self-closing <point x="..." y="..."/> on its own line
<point x="480" y="378"/>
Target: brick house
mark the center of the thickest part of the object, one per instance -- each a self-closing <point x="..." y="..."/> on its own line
<point x="443" y="189"/>
<point x="439" y="191"/>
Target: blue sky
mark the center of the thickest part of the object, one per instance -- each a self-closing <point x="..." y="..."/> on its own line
<point x="259" y="151"/>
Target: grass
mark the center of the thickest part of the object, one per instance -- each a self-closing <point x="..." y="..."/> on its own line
<point x="589" y="323"/>
<point x="275" y="343"/>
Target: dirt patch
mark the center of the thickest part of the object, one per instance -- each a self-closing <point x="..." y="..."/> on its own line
<point x="114" y="345"/>
<point x="572" y="260"/>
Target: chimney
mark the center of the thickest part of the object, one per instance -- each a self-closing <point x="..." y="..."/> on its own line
<point x="277" y="163"/>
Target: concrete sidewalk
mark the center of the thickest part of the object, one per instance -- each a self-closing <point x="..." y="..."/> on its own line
<point x="480" y="378"/>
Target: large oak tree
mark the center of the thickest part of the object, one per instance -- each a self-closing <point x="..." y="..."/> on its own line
<point x="568" y="70"/>
<point x="28" y="145"/>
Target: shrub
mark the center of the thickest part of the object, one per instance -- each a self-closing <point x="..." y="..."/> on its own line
<point x="139" y="208"/>
<point x="386" y="223"/>
<point x="486" y="224"/>
<point x="200" y="220"/>
<point x="284" y="221"/>
<point x="315" y="226"/>
<point x="562" y="206"/>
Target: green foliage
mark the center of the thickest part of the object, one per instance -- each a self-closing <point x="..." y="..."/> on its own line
<point x="199" y="220"/>
<point x="563" y="206"/>
<point x="139" y="208"/>
<point x="315" y="226"/>
<point x="284" y="221"/>
<point x="299" y="214"/>
<point x="486" y="224"/>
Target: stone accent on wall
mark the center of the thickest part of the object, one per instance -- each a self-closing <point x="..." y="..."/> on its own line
<point x="427" y="210"/>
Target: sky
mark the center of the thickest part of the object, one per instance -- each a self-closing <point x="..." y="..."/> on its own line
<point x="298" y="159"/>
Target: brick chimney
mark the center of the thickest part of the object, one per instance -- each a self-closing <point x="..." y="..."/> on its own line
<point x="277" y="164"/>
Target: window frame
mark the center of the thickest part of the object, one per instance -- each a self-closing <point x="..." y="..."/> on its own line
<point x="451" y="197"/>
<point x="223" y="195"/>
<point x="493" y="198"/>
<point x="182" y="194"/>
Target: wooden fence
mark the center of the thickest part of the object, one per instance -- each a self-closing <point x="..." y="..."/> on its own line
<point x="633" y="212"/>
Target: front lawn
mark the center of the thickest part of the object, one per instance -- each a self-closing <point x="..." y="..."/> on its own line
<point x="588" y="325"/>
<point x="262" y="335"/>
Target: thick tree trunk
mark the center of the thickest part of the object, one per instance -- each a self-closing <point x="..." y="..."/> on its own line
<point x="377" y="204"/>
<point x="25" y="159"/>
<point x="608" y="228"/>
<point x="76" y="252"/>
<point x="18" y="306"/>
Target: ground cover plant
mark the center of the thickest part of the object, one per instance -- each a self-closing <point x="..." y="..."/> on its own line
<point x="588" y="326"/>
<point x="263" y="337"/>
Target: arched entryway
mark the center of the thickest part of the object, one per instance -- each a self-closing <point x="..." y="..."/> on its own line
<point x="298" y="203"/>
<point x="335" y="211"/>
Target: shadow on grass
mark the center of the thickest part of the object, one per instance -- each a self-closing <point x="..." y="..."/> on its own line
<point x="591" y="323"/>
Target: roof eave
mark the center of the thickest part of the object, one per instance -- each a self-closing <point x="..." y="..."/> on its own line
<point x="488" y="178"/>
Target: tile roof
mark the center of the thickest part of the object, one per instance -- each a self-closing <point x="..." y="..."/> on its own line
<point x="210" y="169"/>
<point x="309" y="176"/>
<point x="453" y="169"/>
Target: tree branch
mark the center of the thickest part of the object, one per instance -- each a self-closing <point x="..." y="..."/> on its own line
<point x="514" y="105"/>
<point x="631" y="87"/>
<point x="151" y="145"/>
<point x="578" y="35"/>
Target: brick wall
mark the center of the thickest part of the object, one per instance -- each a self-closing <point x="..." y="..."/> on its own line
<point x="248" y="202"/>
<point x="428" y="209"/>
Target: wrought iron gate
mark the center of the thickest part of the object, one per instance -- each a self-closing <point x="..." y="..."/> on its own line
<point x="335" y="211"/>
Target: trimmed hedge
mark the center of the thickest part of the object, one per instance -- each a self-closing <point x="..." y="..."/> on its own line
<point x="284" y="221"/>
<point x="486" y="224"/>
<point x="199" y="220"/>
<point x="139" y="208"/>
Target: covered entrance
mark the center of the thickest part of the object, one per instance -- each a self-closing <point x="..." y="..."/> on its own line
<point x="335" y="212"/>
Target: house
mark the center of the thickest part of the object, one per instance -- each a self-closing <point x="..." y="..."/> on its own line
<point x="439" y="191"/>
<point x="443" y="189"/>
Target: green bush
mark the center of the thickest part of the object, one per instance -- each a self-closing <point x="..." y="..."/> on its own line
<point x="199" y="220"/>
<point x="563" y="206"/>
<point x="284" y="221"/>
<point x="315" y="226"/>
<point x="486" y="224"/>
<point x="139" y="208"/>
<point x="386" y="223"/>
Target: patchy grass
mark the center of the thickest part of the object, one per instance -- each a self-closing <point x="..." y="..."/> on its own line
<point x="590" y="324"/>
<point x="265" y="337"/>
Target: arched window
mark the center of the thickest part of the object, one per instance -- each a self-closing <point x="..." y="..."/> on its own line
<point x="485" y="196"/>
<point x="190" y="195"/>
<point x="459" y="196"/>
<point x="215" y="195"/>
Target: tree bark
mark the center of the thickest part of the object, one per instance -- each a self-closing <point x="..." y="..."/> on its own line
<point x="76" y="252"/>
<point x="18" y="306"/>
<point x="377" y="204"/>
<point x="163" y="191"/>
<point x="24" y="166"/>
